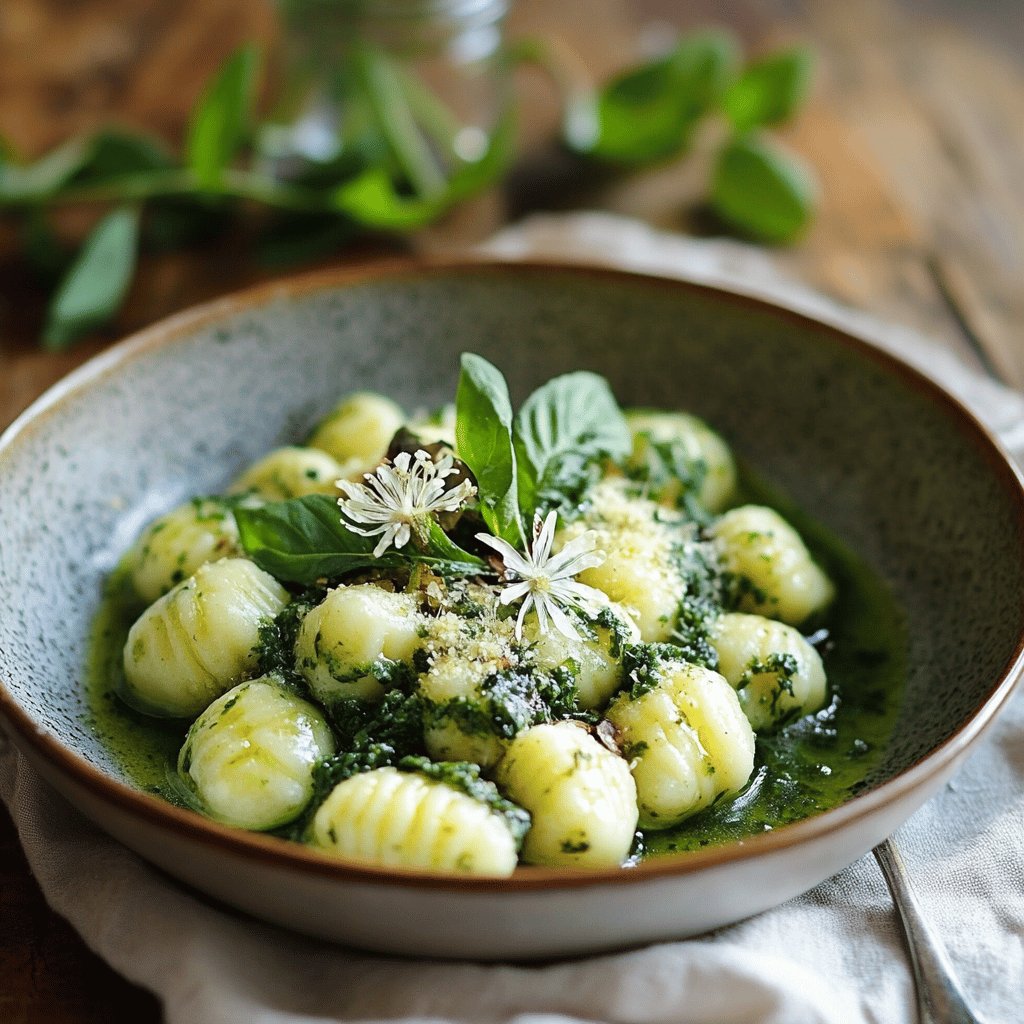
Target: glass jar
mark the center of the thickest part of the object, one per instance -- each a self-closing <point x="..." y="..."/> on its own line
<point x="418" y="86"/>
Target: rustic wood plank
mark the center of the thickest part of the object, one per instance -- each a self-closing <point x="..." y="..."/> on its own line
<point x="941" y="115"/>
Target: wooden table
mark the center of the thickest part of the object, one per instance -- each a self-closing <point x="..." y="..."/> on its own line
<point x="916" y="128"/>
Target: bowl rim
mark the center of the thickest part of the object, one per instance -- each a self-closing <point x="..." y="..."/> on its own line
<point x="282" y="853"/>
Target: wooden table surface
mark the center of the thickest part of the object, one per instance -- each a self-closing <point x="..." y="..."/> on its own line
<point x="916" y="128"/>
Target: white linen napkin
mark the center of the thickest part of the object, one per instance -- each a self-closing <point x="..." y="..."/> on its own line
<point x="833" y="956"/>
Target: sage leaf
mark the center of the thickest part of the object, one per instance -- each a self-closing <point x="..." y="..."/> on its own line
<point x="770" y="90"/>
<point x="304" y="539"/>
<point x="650" y="112"/>
<point x="483" y="440"/>
<point x="562" y="429"/>
<point x="96" y="284"/>
<point x="761" y="190"/>
<point x="220" y="123"/>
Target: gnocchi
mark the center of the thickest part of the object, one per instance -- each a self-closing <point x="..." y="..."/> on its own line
<point x="766" y="554"/>
<point x="290" y="473"/>
<point x="357" y="432"/>
<point x="777" y="674"/>
<point x="174" y="546"/>
<point x="405" y="670"/>
<point x="250" y="755"/>
<point x="348" y="641"/>
<point x="674" y="453"/>
<point x="581" y="796"/>
<point x="640" y="571"/>
<point x="400" y="819"/>
<point x="687" y="740"/>
<point x="197" y="640"/>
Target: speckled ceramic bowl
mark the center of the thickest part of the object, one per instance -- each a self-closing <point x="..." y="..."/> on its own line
<point x="880" y="455"/>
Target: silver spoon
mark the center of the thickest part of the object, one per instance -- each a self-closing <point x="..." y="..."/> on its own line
<point x="940" y="999"/>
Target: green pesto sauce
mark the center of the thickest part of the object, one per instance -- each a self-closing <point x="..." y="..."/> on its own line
<point x="814" y="764"/>
<point x="146" y="748"/>
<point x="822" y="760"/>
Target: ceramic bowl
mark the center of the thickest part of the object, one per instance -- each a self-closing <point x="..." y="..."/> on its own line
<point x="880" y="455"/>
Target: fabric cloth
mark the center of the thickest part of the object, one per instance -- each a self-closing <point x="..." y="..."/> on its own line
<point x="833" y="956"/>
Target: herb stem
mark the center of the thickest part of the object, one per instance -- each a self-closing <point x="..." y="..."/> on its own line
<point x="164" y="184"/>
<point x="390" y="103"/>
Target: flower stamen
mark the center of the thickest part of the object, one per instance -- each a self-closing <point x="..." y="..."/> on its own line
<point x="544" y="581"/>
<point x="399" y="498"/>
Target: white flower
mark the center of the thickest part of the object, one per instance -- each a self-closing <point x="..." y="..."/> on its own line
<point x="546" y="580"/>
<point x="399" y="497"/>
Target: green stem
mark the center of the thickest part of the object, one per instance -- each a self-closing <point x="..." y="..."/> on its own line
<point x="395" y="120"/>
<point x="183" y="183"/>
<point x="429" y="110"/>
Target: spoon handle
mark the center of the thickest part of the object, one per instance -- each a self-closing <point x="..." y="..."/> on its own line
<point x="940" y="999"/>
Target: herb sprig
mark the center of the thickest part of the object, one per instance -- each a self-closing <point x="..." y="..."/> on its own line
<point x="563" y="430"/>
<point x="152" y="199"/>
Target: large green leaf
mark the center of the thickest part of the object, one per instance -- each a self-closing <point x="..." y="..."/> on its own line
<point x="483" y="436"/>
<point x="304" y="540"/>
<point x="563" y="428"/>
<point x="21" y="183"/>
<point x="96" y="284"/>
<point x="221" y="120"/>
<point x="649" y="113"/>
<point x="770" y="90"/>
<point x="763" y="191"/>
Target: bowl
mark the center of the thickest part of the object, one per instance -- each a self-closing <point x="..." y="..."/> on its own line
<point x="873" y="450"/>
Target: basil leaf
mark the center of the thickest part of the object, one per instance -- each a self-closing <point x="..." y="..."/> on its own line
<point x="304" y="539"/>
<point x="770" y="90"/>
<point x="650" y="112"/>
<point x="220" y="122"/>
<point x="483" y="439"/>
<point x="371" y="199"/>
<point x="443" y="551"/>
<point x="114" y="154"/>
<point x="761" y="190"/>
<point x="41" y="247"/>
<point x="562" y="429"/>
<point x="97" y="282"/>
<point x="106" y="156"/>
<point x="46" y="176"/>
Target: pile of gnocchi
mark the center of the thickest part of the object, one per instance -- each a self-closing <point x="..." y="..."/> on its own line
<point x="536" y="698"/>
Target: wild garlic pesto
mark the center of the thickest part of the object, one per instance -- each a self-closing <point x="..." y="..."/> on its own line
<point x="566" y="635"/>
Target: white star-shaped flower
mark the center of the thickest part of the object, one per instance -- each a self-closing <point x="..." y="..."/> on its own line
<point x="545" y="580"/>
<point x="397" y="498"/>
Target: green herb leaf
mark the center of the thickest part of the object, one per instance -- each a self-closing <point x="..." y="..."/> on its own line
<point x="465" y="777"/>
<point x="37" y="181"/>
<point x="98" y="280"/>
<point x="221" y="120"/>
<point x="763" y="191"/>
<point x="650" y="112"/>
<point x="563" y="427"/>
<point x="41" y="247"/>
<point x="113" y="154"/>
<point x="304" y="540"/>
<point x="770" y="90"/>
<point x="483" y="436"/>
<point x="371" y="199"/>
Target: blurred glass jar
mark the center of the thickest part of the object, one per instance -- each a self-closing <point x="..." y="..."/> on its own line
<point x="420" y="86"/>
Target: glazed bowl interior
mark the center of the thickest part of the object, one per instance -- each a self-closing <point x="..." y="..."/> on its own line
<point x="875" y="453"/>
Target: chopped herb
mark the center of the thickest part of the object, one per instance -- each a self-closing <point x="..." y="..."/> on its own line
<point x="465" y="777"/>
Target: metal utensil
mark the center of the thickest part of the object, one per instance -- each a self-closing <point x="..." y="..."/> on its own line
<point x="940" y="999"/>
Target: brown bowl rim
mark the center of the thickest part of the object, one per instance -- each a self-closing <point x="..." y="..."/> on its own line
<point x="288" y="855"/>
